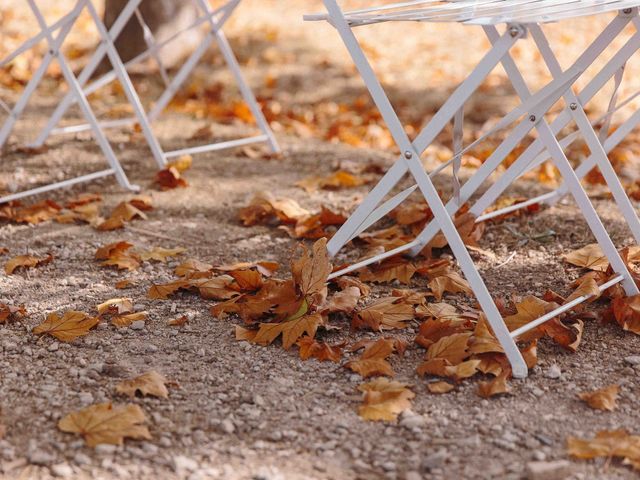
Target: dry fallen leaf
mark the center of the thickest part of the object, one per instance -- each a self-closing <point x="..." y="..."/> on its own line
<point x="123" y="284"/>
<point x="25" y="261"/>
<point x="602" y="399"/>
<point x="160" y="254"/>
<point x="9" y="312"/>
<point x="590" y="257"/>
<point x="440" y="387"/>
<point x="178" y="322"/>
<point x="626" y="312"/>
<point x="116" y="306"/>
<point x="453" y="348"/>
<point x="607" y="444"/>
<point x="118" y="255"/>
<point x="265" y="208"/>
<point x="496" y="386"/>
<point x="68" y="327"/>
<point x="450" y="282"/>
<point x="106" y="423"/>
<point x="309" y="348"/>
<point x="373" y="359"/>
<point x="291" y="331"/>
<point x="150" y="383"/>
<point x="339" y="179"/>
<point x="384" y="314"/>
<point x="384" y="399"/>
<point x="125" y="212"/>
<point x="126" y="320"/>
<point x="170" y="178"/>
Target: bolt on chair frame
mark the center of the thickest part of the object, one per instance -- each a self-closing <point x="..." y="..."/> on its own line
<point x="531" y="114"/>
<point x="214" y="20"/>
<point x="63" y="27"/>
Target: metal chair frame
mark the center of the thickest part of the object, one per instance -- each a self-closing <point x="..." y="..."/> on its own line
<point x="214" y="21"/>
<point x="529" y="115"/>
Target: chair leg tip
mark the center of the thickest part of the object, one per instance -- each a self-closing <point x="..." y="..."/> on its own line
<point x="520" y="371"/>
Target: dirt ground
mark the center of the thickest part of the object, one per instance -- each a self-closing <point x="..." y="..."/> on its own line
<point x="240" y="411"/>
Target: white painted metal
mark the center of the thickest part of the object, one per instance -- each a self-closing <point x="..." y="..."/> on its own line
<point x="215" y="20"/>
<point x="55" y="43"/>
<point x="530" y="114"/>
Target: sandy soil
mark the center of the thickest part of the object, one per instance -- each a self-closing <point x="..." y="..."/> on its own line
<point x="248" y="412"/>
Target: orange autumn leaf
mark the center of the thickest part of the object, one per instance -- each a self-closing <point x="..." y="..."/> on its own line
<point x="384" y="314"/>
<point x="118" y="255"/>
<point x="124" y="284"/>
<point x="309" y="348"/>
<point x="68" y="327"/>
<point x="163" y="291"/>
<point x="373" y="359"/>
<point x="193" y="268"/>
<point x="607" y="444"/>
<point x="125" y="212"/>
<point x="440" y="387"/>
<point x="9" y="312"/>
<point x="290" y="330"/>
<point x="264" y="208"/>
<point x="344" y="301"/>
<point x="25" y="261"/>
<point x="587" y="288"/>
<point x="432" y="330"/>
<point x="310" y="272"/>
<point x="441" y="367"/>
<point x="590" y="257"/>
<point x="529" y="309"/>
<point x="106" y="423"/>
<point x="339" y="179"/>
<point x="453" y="348"/>
<point x="126" y="320"/>
<point x="182" y="163"/>
<point x="497" y="386"/>
<point x="384" y="399"/>
<point x="150" y="383"/>
<point x="626" y="312"/>
<point x="602" y="399"/>
<point x="450" y="282"/>
<point x="170" y="178"/>
<point x="178" y="322"/>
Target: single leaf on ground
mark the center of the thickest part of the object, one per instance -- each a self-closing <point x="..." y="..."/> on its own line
<point x="106" y="423"/>
<point x="443" y="368"/>
<point x="590" y="257"/>
<point x="25" y="261"/>
<point x="178" y="322"/>
<point x="160" y="254"/>
<point x="290" y="330"/>
<point x="602" y="399"/>
<point x="9" y="312"/>
<point x="587" y="288"/>
<point x="126" y="320"/>
<point x="68" y="327"/>
<point x="118" y="255"/>
<point x="116" y="306"/>
<point x="124" y="284"/>
<point x="453" y="348"/>
<point x="336" y="180"/>
<point x="163" y="291"/>
<point x="496" y="386"/>
<point x="373" y="360"/>
<point x="384" y="314"/>
<point x="150" y="383"/>
<point x="607" y="444"/>
<point x="193" y="268"/>
<point x="626" y="312"/>
<point x="450" y="282"/>
<point x="344" y="301"/>
<point x="384" y="399"/>
<point x="170" y="178"/>
<point x="125" y="212"/>
<point x="440" y="387"/>
<point x="310" y="348"/>
<point x="310" y="272"/>
<point x="529" y="309"/>
<point x="265" y="208"/>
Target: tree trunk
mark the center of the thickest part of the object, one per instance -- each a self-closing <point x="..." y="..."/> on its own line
<point x="164" y="18"/>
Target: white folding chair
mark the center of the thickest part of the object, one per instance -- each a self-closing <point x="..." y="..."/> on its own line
<point x="529" y="115"/>
<point x="213" y="20"/>
<point x="63" y="26"/>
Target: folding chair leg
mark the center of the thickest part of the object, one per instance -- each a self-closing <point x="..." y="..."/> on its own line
<point x="19" y="107"/>
<point x="129" y="89"/>
<point x="597" y="150"/>
<point x="87" y="71"/>
<point x="84" y="104"/>
<point x="413" y="163"/>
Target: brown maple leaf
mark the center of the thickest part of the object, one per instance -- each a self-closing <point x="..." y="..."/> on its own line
<point x="602" y="399"/>
<point x="384" y="314"/>
<point x="453" y="348"/>
<point x="626" y="312"/>
<point x="450" y="282"/>
<point x="106" y="423"/>
<point x="607" y="444"/>
<point x="290" y="330"/>
<point x="265" y="208"/>
<point x="394" y="268"/>
<point x="25" y="261"/>
<point x="373" y="360"/>
<point x="150" y="383"/>
<point x="384" y="399"/>
<point x="68" y="327"/>
<point x="310" y="348"/>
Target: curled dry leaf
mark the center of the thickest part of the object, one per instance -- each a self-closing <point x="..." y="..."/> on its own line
<point x="118" y="255"/>
<point x="290" y="330"/>
<point x="373" y="359"/>
<point x="344" y="301"/>
<point x="607" y="444"/>
<point x="160" y="254"/>
<point x="126" y="320"/>
<point x="170" y="178"/>
<point x="126" y="212"/>
<point x="106" y="423"/>
<point x="384" y="314"/>
<point x="150" y="383"/>
<point x="453" y="348"/>
<point x="310" y="272"/>
<point x="384" y="399"/>
<point x="309" y="348"/>
<point x="25" y="261"/>
<point x="440" y="387"/>
<point x="497" y="386"/>
<point x="116" y="306"/>
<point x="602" y="399"/>
<point x="9" y="312"/>
<point x="265" y="208"/>
<point x="68" y="327"/>
<point x="178" y="322"/>
<point x="450" y="282"/>
<point x="626" y="312"/>
<point x="590" y="257"/>
<point x="193" y="268"/>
